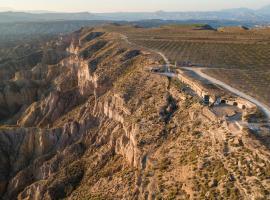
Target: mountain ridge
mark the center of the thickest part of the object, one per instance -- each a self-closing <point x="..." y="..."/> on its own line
<point x="237" y="14"/>
<point x="84" y="118"/>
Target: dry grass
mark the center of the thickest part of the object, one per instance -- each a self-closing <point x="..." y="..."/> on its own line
<point x="241" y="57"/>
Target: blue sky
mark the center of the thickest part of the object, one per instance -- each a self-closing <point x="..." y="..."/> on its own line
<point x="130" y="5"/>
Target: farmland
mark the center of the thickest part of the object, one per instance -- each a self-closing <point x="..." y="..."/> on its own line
<point x="221" y="55"/>
<point x="234" y="55"/>
<point x="255" y="83"/>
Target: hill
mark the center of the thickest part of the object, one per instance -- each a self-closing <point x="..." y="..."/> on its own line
<point x="237" y="14"/>
<point x="264" y="10"/>
<point x="82" y="117"/>
<point x="237" y="55"/>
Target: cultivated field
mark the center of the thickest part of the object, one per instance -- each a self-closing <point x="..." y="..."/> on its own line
<point x="253" y="82"/>
<point x="221" y="55"/>
<point x="236" y="56"/>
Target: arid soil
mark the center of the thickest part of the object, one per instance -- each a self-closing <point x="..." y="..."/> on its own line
<point x="236" y="55"/>
<point x="89" y="122"/>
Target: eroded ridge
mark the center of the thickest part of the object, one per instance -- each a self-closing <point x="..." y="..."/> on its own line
<point x="99" y="126"/>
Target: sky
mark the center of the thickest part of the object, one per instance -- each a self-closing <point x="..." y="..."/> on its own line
<point x="129" y="5"/>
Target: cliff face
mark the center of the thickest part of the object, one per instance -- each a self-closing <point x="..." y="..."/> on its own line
<point x="98" y="126"/>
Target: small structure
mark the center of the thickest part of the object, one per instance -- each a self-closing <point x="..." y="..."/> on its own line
<point x="157" y="70"/>
<point x="238" y="102"/>
<point x="206" y="99"/>
<point x="222" y="103"/>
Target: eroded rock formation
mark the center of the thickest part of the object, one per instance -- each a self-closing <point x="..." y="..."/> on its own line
<point x="96" y="125"/>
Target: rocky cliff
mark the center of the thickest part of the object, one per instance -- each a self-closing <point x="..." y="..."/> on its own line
<point x="96" y="125"/>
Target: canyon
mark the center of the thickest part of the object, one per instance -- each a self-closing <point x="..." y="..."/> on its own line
<point x="85" y="120"/>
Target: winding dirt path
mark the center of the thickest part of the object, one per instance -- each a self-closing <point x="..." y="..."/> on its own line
<point x="199" y="72"/>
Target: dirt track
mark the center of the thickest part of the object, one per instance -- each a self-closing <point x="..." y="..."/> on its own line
<point x="262" y="106"/>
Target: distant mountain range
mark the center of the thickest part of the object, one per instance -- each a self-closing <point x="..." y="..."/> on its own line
<point x="24" y="25"/>
<point x="238" y="14"/>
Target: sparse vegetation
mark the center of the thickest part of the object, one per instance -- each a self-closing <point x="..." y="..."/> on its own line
<point x="112" y="130"/>
<point x="238" y="57"/>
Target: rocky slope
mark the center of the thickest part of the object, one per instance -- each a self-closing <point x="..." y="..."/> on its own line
<point x="94" y="124"/>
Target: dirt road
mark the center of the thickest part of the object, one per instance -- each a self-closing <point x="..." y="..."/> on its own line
<point x="261" y="105"/>
<point x="199" y="72"/>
